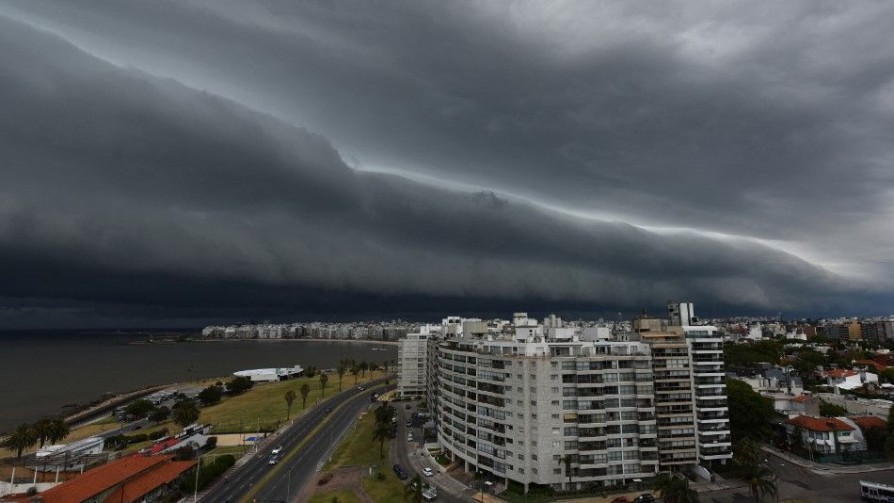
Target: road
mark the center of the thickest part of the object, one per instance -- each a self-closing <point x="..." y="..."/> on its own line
<point x="297" y="465"/>
<point x="403" y="450"/>
<point x="796" y="482"/>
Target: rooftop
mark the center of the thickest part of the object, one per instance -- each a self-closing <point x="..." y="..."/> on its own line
<point x="819" y="423"/>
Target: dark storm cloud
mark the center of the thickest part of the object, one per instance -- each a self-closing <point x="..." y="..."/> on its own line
<point x="115" y="176"/>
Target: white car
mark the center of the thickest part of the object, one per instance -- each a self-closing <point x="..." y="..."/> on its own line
<point x="409" y="438"/>
<point x="427" y="472"/>
<point x="277" y="450"/>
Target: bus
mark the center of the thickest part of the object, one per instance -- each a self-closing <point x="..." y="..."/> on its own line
<point x="873" y="491"/>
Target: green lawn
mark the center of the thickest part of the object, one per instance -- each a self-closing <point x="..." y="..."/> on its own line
<point x="358" y="447"/>
<point x="264" y="406"/>
<point x="340" y="496"/>
<point x="384" y="491"/>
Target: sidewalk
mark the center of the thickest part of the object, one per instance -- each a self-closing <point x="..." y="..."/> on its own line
<point x="420" y="458"/>
<point x="827" y="468"/>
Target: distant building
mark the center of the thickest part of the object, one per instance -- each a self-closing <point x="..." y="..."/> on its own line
<point x="825" y="435"/>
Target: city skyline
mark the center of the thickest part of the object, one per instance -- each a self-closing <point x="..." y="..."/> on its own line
<point x="179" y="163"/>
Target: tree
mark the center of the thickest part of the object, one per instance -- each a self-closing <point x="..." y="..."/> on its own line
<point x="185" y="413"/>
<point x="341" y="372"/>
<point x="239" y="385"/>
<point x="354" y="371"/>
<point x="50" y="429"/>
<point x="24" y="437"/>
<point x="761" y="481"/>
<point x="210" y="395"/>
<point x="290" y="398"/>
<point x="413" y="490"/>
<point x="323" y="380"/>
<point x="748" y="452"/>
<point x="385" y="365"/>
<point x="160" y="414"/>
<point x="384" y="413"/>
<point x="364" y="366"/>
<point x="827" y="409"/>
<point x="140" y="408"/>
<point x="675" y="489"/>
<point x="750" y="413"/>
<point x="58" y="430"/>
<point x="566" y="460"/>
<point x="304" y="390"/>
<point x="875" y="438"/>
<point x="380" y="433"/>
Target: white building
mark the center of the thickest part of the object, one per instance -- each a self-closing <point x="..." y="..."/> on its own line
<point x="412" y="364"/>
<point x="271" y="374"/>
<point x="709" y="384"/>
<point x="68" y="457"/>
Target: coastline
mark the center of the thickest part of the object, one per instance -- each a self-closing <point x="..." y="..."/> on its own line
<point x="302" y="339"/>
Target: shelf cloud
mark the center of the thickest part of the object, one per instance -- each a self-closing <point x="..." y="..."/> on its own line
<point x="178" y="160"/>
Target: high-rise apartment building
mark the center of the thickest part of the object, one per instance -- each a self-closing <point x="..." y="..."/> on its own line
<point x="412" y="363"/>
<point x="570" y="408"/>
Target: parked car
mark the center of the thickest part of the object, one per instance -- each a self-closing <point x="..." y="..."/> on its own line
<point x="644" y="498"/>
<point x="428" y="472"/>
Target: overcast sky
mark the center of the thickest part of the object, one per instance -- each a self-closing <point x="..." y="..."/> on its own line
<point x="180" y="162"/>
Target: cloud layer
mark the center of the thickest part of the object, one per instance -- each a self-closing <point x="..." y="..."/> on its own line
<point x="493" y="153"/>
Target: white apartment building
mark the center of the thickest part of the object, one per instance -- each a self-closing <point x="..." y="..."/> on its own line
<point x="412" y="364"/>
<point x="516" y="405"/>
<point x="709" y="385"/>
<point x="574" y="407"/>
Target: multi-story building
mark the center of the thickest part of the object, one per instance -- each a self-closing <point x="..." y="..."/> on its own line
<point x="559" y="412"/>
<point x="567" y="408"/>
<point x="412" y="363"/>
<point x="709" y="385"/>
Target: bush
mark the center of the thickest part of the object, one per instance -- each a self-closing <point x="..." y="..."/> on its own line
<point x="135" y="439"/>
<point x="239" y="385"/>
<point x="155" y="435"/>
<point x="211" y="443"/>
<point x="325" y="479"/>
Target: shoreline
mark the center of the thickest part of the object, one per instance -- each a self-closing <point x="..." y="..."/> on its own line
<point x="302" y="339"/>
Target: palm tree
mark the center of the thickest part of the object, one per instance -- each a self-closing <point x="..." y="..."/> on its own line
<point x="413" y="490"/>
<point x="305" y="390"/>
<point x="341" y="372"/>
<point x="290" y="397"/>
<point x="380" y="433"/>
<point x="385" y="365"/>
<point x="748" y="452"/>
<point x="24" y="437"/>
<point x="58" y="430"/>
<point x="185" y="413"/>
<point x="566" y="460"/>
<point x="675" y="489"/>
<point x="384" y="413"/>
<point x="42" y="430"/>
<point x="761" y="481"/>
<point x="324" y="378"/>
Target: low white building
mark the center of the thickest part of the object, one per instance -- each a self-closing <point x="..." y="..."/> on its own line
<point x="271" y="374"/>
<point x="69" y="456"/>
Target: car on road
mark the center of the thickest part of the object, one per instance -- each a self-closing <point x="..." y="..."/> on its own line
<point x="410" y="437"/>
<point x="361" y="388"/>
<point x="428" y="472"/>
<point x="273" y="460"/>
<point x="644" y="498"/>
<point x="276" y="450"/>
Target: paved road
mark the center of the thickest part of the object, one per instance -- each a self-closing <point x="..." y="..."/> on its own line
<point x="796" y="482"/>
<point x="297" y="465"/>
<point x="404" y="450"/>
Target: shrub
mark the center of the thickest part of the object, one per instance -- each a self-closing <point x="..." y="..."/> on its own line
<point x="155" y="435"/>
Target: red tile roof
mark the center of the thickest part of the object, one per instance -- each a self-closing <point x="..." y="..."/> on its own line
<point x="819" y="423"/>
<point x="147" y="482"/>
<point x="839" y="373"/>
<point x="867" y="422"/>
<point x="801" y="398"/>
<point x="137" y="470"/>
